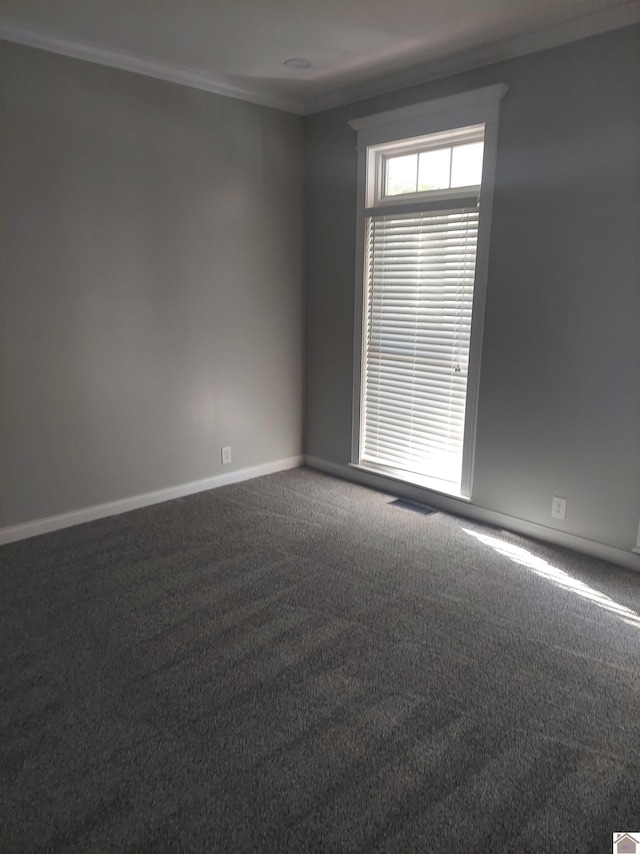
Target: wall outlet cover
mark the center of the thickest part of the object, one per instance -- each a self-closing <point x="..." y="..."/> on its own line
<point x="558" y="507"/>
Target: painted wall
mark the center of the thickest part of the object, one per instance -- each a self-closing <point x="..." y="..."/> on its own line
<point x="152" y="297"/>
<point x="559" y="410"/>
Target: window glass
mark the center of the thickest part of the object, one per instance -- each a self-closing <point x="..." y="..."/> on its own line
<point x="466" y="164"/>
<point x="433" y="169"/>
<point x="402" y="174"/>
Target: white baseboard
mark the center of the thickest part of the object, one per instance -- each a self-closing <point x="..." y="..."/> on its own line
<point x="462" y="507"/>
<point x="113" y="508"/>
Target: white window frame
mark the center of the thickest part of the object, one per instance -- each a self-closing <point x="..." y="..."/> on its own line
<point x="377" y="157"/>
<point x="401" y="126"/>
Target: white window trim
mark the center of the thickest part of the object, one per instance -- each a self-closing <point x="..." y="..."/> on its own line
<point x="478" y="106"/>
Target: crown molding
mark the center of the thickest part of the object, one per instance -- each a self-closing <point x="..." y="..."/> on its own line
<point x="619" y="15"/>
<point x="614" y="17"/>
<point x="40" y="40"/>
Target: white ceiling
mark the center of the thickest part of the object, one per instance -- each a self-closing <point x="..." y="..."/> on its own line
<point x="356" y="48"/>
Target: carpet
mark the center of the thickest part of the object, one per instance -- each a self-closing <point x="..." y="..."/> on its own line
<point x="293" y="664"/>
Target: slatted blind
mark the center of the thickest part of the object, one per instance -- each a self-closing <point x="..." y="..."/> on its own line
<point x="420" y="276"/>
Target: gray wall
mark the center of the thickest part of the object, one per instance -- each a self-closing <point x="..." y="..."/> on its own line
<point x="152" y="296"/>
<point x="559" y="408"/>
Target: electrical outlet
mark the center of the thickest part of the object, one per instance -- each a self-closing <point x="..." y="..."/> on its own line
<point x="558" y="507"/>
<point x="226" y="455"/>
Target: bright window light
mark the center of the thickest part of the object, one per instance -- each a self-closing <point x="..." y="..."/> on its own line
<point x="558" y="576"/>
<point x="434" y="169"/>
<point x="402" y="174"/>
<point x="420" y="277"/>
<point x="466" y="164"/>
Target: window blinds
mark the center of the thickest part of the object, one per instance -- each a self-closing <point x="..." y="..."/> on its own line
<point x="419" y="295"/>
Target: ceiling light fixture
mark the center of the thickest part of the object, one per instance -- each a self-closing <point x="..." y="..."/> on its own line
<point x="296" y="62"/>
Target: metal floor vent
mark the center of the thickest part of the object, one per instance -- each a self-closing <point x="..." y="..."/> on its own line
<point x="412" y="505"/>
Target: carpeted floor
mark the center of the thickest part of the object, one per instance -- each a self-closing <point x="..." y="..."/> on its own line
<point x="294" y="664"/>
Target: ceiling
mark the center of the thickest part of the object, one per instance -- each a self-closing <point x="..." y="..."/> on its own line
<point x="356" y="48"/>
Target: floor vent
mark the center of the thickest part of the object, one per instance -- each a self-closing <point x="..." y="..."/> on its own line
<point x="413" y="505"/>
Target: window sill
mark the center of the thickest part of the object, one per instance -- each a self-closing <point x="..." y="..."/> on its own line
<point x="430" y="483"/>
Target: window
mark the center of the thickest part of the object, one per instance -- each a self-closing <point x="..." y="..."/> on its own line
<point x="425" y="186"/>
<point x="433" y="165"/>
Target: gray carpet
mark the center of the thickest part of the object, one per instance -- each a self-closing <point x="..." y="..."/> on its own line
<point x="295" y="664"/>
